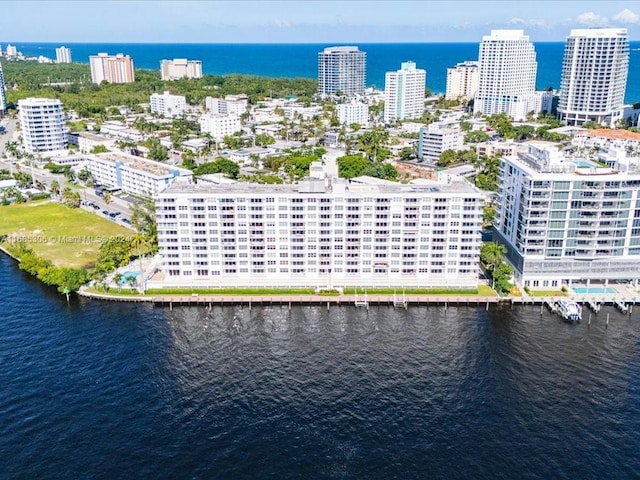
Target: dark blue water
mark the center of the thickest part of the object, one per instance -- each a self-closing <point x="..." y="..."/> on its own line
<point x="301" y="60"/>
<point x="106" y="391"/>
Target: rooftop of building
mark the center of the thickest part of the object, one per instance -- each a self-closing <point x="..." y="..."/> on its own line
<point x="610" y="134"/>
<point x="342" y="49"/>
<point x="449" y="185"/>
<point x="142" y="164"/>
<point x="34" y="101"/>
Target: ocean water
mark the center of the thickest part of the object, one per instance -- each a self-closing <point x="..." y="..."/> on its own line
<point x="98" y="390"/>
<point x="301" y="60"/>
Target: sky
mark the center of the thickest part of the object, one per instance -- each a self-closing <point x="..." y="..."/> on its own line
<point x="304" y="21"/>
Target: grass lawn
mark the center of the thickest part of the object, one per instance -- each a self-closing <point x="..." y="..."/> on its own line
<point x="68" y="237"/>
<point x="547" y="293"/>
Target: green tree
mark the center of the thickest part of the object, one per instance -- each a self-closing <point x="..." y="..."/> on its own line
<point x="219" y="165"/>
<point x="54" y="188"/>
<point x="143" y="219"/>
<point x="156" y="151"/>
<point x="99" y="149"/>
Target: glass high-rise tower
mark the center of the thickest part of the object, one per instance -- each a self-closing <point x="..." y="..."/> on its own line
<point x="341" y="69"/>
<point x="594" y="75"/>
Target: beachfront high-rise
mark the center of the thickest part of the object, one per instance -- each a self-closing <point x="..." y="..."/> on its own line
<point x="180" y="68"/>
<point x="404" y="93"/>
<point x="507" y="77"/>
<point x="42" y="125"/>
<point x="63" y="55"/>
<point x="594" y="75"/>
<point x="462" y="81"/>
<point x="3" y="94"/>
<point x="112" y="68"/>
<point x="341" y="70"/>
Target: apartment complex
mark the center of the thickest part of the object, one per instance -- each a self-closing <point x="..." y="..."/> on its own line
<point x="568" y="219"/>
<point x="168" y="105"/>
<point x="462" y="81"/>
<point x="311" y="234"/>
<point x="3" y="94"/>
<point x="404" y="93"/>
<point x="42" y="125"/>
<point x="112" y="68"/>
<point x="594" y="75"/>
<point x="63" y="55"/>
<point x="229" y="105"/>
<point x="353" y="112"/>
<point x="180" y="68"/>
<point x="132" y="174"/>
<point x="507" y="74"/>
<point x="435" y="139"/>
<point x="219" y="126"/>
<point x="341" y="70"/>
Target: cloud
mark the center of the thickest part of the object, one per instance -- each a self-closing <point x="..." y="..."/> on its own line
<point x="592" y="19"/>
<point x="532" y="22"/>
<point x="627" y="16"/>
<point x="281" y="23"/>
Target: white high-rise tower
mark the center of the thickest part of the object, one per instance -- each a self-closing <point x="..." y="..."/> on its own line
<point x="594" y="75"/>
<point x="341" y="69"/>
<point x="3" y="94"/>
<point x="63" y="55"/>
<point x="508" y="70"/>
<point x="404" y="92"/>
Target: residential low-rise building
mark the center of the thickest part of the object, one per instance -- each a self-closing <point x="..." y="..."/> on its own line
<point x="132" y="174"/>
<point x="121" y="130"/>
<point x="353" y="112"/>
<point x="229" y="105"/>
<point x="168" y="105"/>
<point x="369" y="234"/>
<point x="503" y="148"/>
<point x="435" y="139"/>
<point x="220" y="126"/>
<point x="568" y="219"/>
<point x="87" y="141"/>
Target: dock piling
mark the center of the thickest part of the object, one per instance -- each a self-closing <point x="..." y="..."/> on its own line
<point x="607" y="325"/>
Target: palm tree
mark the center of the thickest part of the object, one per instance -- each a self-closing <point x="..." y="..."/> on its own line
<point x="118" y="278"/>
<point x="107" y="199"/>
<point x="491" y="255"/>
<point x="55" y="188"/>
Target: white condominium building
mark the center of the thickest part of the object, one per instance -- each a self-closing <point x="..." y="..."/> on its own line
<point x="168" y="105"/>
<point x="568" y="220"/>
<point x="507" y="78"/>
<point x="308" y="234"/>
<point x="12" y="51"/>
<point x="341" y="70"/>
<point x="63" y="55"/>
<point x="220" y="126"/>
<point x="42" y="125"/>
<point x="404" y="93"/>
<point x="353" y="112"/>
<point x="462" y="81"/>
<point x="112" y="68"/>
<point x="132" y="174"/>
<point x="594" y="75"/>
<point x="3" y="94"/>
<point x="231" y="104"/>
<point x="180" y="68"/>
<point x="435" y="139"/>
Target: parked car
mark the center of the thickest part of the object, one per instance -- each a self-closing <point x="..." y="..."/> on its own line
<point x="126" y="221"/>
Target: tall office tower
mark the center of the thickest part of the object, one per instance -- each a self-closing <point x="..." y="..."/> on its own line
<point x="404" y="92"/>
<point x="507" y="74"/>
<point x="462" y="81"/>
<point x="3" y="94"/>
<point x="180" y="68"/>
<point x="112" y="68"/>
<point x="63" y="55"/>
<point x="594" y="75"/>
<point x="341" y="69"/>
<point x="42" y="124"/>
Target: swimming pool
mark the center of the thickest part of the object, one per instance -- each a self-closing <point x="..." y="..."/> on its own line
<point x="127" y="275"/>
<point x="596" y="290"/>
